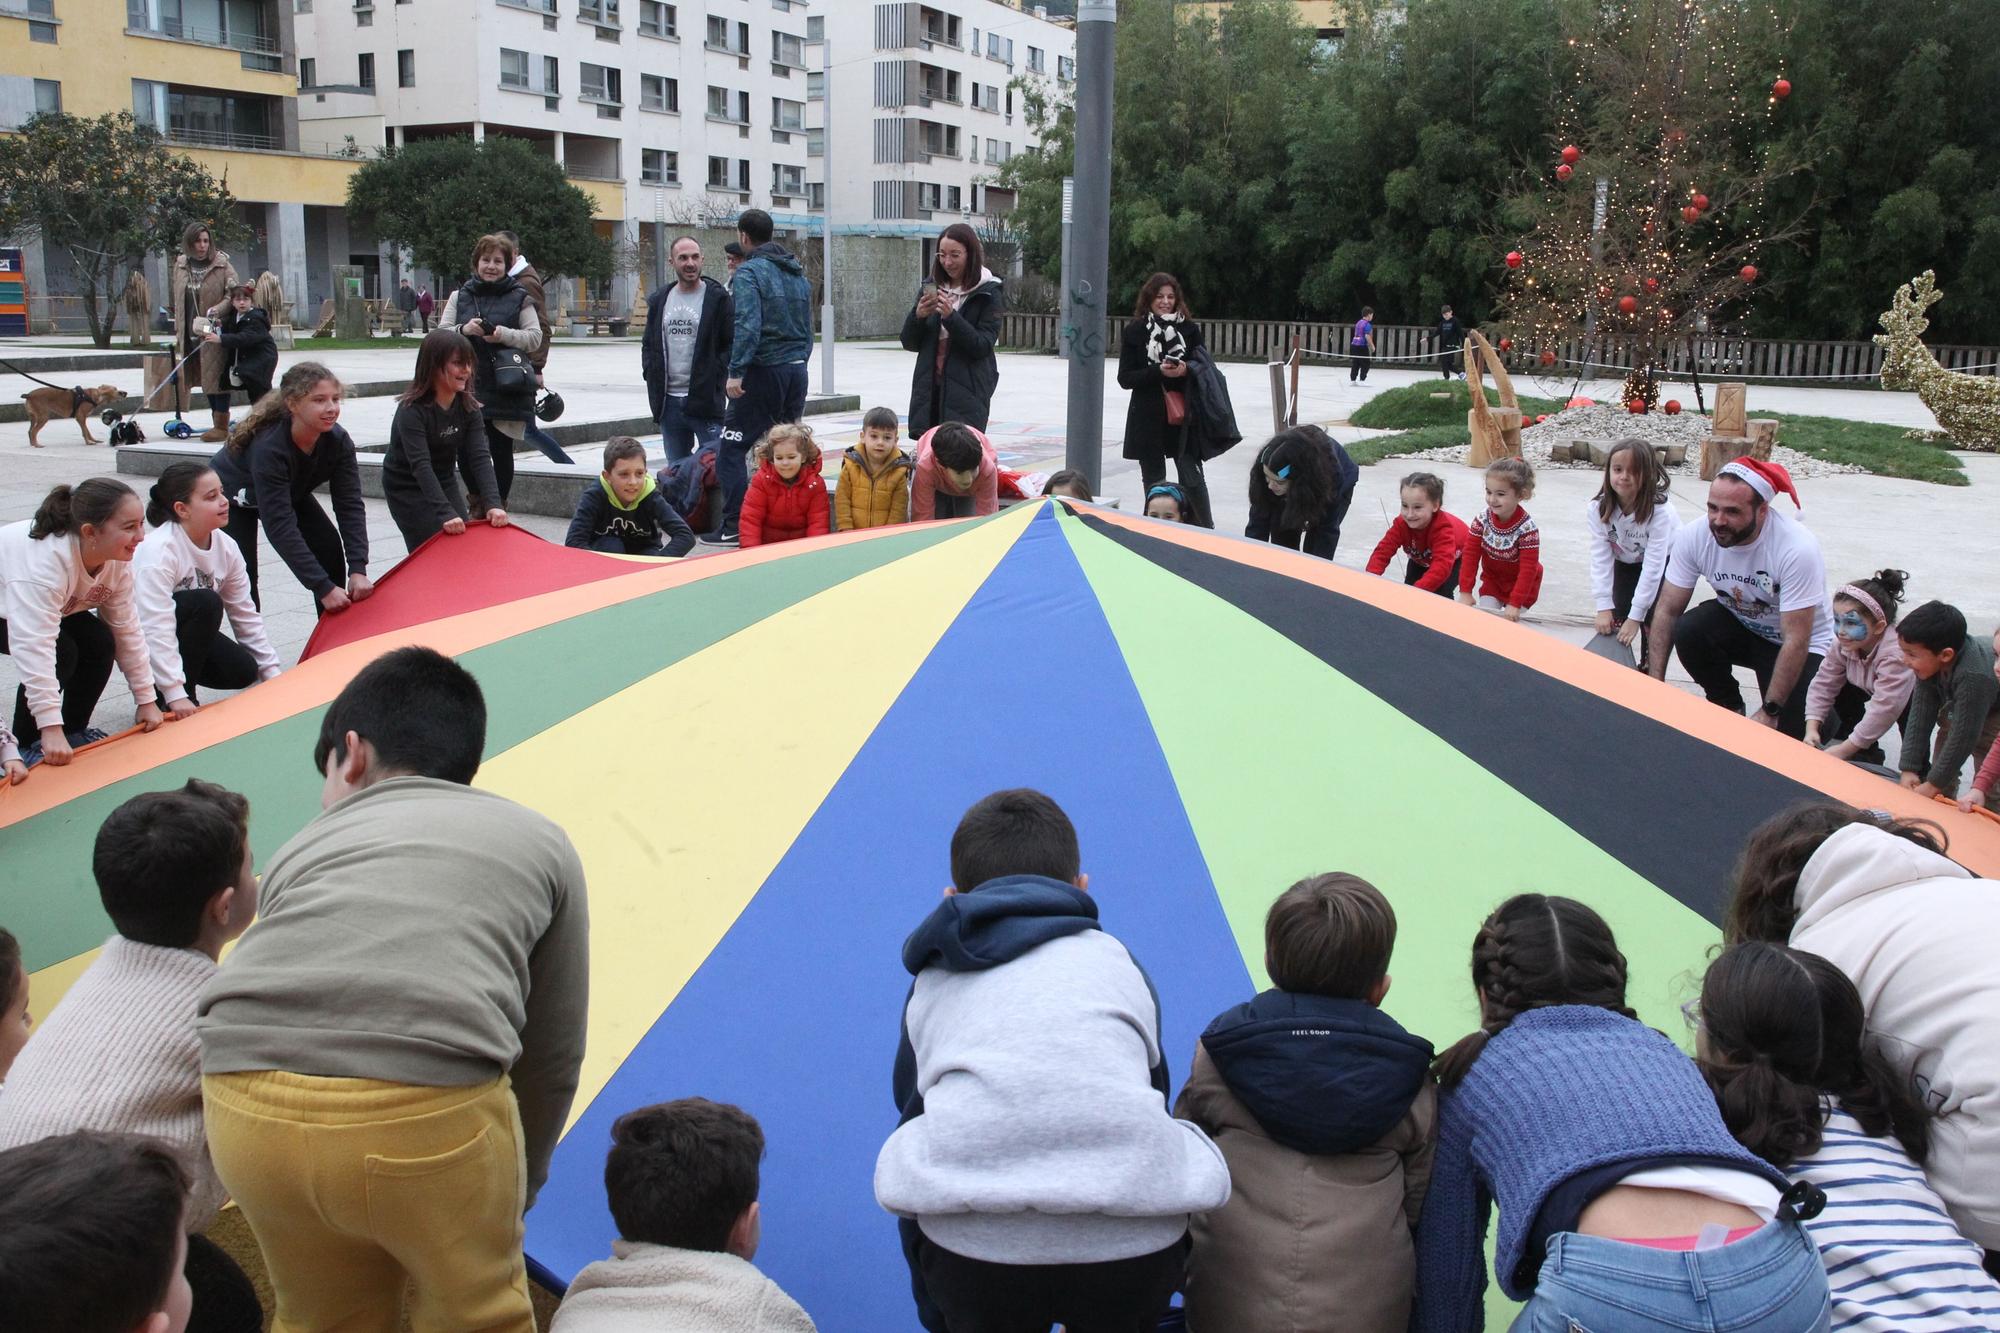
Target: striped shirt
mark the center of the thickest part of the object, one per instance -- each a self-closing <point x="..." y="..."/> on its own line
<point x="1893" y="1257"/>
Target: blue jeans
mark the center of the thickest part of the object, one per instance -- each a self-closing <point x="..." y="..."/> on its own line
<point x="544" y="441"/>
<point x="771" y="394"/>
<point x="682" y="434"/>
<point x="1772" y="1281"/>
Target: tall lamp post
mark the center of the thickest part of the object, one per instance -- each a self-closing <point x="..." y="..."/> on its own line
<point x="825" y="45"/>
<point x="1090" y="239"/>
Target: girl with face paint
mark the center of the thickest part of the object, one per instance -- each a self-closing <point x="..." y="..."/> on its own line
<point x="1863" y="687"/>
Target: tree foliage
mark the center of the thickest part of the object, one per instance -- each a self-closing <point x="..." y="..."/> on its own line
<point x="107" y="192"/>
<point x="437" y="197"/>
<point x="1282" y="178"/>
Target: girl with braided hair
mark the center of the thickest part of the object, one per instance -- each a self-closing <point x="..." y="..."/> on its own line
<point x="1779" y="1039"/>
<point x="1624" y="1202"/>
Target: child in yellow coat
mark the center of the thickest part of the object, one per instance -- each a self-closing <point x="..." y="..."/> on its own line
<point x="874" y="485"/>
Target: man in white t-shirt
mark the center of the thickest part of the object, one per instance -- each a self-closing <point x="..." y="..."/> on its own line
<point x="1771" y="612"/>
<point x="685" y="354"/>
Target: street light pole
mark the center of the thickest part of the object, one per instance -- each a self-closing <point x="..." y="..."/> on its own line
<point x="660" y="239"/>
<point x="1090" y="240"/>
<point x="826" y="213"/>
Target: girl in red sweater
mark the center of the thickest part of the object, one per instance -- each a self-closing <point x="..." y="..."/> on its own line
<point x="787" y="497"/>
<point x="1433" y="540"/>
<point x="1507" y="542"/>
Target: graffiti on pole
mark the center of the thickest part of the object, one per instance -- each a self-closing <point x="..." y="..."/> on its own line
<point x="1084" y="334"/>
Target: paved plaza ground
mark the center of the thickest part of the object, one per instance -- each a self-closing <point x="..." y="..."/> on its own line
<point x="1946" y="537"/>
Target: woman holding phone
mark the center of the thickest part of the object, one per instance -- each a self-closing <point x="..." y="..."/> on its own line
<point x="1152" y="363"/>
<point x="953" y="328"/>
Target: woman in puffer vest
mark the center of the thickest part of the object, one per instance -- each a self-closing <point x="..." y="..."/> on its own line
<point x="493" y="311"/>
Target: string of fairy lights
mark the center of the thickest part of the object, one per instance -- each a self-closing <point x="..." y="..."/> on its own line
<point x="1670" y="124"/>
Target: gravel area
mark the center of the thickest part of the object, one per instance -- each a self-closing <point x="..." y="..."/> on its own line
<point x="1604" y="423"/>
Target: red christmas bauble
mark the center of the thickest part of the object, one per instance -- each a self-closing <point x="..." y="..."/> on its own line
<point x="1583" y="402"/>
<point x="1648" y="228"/>
<point x="1781" y="89"/>
<point x="1548" y="358"/>
<point x="1627" y="304"/>
<point x="1513" y="259"/>
<point x="1506" y="344"/>
<point x="1673" y="407"/>
<point x="1677" y="136"/>
<point x="1652" y="284"/>
<point x="1571" y="152"/>
<point x="1541" y="418"/>
<point x="1748" y="273"/>
<point x="1564" y="172"/>
<point x="1690" y="214"/>
<point x="1701" y="201"/>
<point x="1637" y="407"/>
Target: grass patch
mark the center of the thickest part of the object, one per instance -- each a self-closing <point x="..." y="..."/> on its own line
<point x="307" y="343"/>
<point x="1413" y="406"/>
<point x="1872" y="446"/>
<point x="1378" y="447"/>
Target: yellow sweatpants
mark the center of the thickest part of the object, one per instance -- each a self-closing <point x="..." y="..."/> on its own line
<point x="354" y="1187"/>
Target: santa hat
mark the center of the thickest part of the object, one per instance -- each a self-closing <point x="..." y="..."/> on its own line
<point x="1767" y="479"/>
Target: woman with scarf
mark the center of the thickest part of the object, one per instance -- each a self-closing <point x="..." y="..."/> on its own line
<point x="493" y="311"/>
<point x="1152" y="363"/>
<point x="203" y="279"/>
<point x="953" y="329"/>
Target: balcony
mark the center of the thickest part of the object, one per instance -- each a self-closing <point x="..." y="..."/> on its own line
<point x="937" y="28"/>
<point x="210" y="118"/>
<point x="209" y="25"/>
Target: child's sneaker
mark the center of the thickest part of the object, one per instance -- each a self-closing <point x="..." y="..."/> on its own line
<point x="721" y="539"/>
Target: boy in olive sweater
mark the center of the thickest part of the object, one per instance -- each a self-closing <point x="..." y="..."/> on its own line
<point x="390" y="1054"/>
<point x="1954" y="712"/>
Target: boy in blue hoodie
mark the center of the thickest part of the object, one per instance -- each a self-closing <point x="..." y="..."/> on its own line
<point x="624" y="513"/>
<point x="1323" y="1106"/>
<point x="1038" y="1173"/>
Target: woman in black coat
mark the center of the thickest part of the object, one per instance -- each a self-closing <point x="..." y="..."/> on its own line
<point x="493" y="311"/>
<point x="953" y="328"/>
<point x="1300" y="490"/>
<point x="1152" y="360"/>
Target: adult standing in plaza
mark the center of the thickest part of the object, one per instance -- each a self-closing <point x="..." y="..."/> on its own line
<point x="1771" y="611"/>
<point x="493" y="311"/>
<point x="953" y="328"/>
<point x="531" y="282"/>
<point x="406" y="302"/>
<point x="1153" y="363"/>
<point x="203" y="279"/>
<point x="685" y="354"/>
<point x="767" y="356"/>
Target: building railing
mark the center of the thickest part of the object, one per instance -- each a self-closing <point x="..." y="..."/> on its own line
<point x="254" y="43"/>
<point x="224" y="139"/>
<point x="1738" y="358"/>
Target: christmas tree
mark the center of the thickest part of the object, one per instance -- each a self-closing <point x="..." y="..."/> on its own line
<point x="1641" y="231"/>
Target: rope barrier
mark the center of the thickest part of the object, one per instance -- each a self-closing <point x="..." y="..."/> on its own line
<point x="1566" y="363"/>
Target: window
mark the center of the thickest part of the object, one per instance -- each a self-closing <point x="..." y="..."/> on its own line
<point x="725" y="174"/>
<point x="1066" y="68"/>
<point x="551" y="76"/>
<point x="787" y="180"/>
<point x="985" y="97"/>
<point x="930" y="196"/>
<point x="997" y="153"/>
<point x="954" y="199"/>
<point x="733" y="107"/>
<point x="816" y="28"/>
<point x="603" y="13"/>
<point x="973" y="154"/>
<point x="723" y="36"/>
<point x="406" y="67"/>
<point x="1035" y="60"/>
<point x="1000" y="48"/>
<point x="816" y="143"/>
<point x="48" y="96"/>
<point x="659" y="166"/>
<point x="816" y="196"/>
<point x="595" y="83"/>
<point x="367" y="76"/>
<point x="308" y="72"/>
<point x="788" y="49"/>
<point x="513" y="68"/>
<point x="658" y="20"/>
<point x="815" y="86"/>
<point x="790" y="116"/>
<point x="364" y="18"/>
<point x="659" y="93"/>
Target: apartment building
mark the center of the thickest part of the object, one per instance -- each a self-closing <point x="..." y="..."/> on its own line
<point x="218" y="79"/>
<point x="660" y="110"/>
<point x="925" y="109"/>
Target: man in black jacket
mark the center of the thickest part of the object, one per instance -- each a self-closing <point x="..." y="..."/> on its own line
<point x="685" y="354"/>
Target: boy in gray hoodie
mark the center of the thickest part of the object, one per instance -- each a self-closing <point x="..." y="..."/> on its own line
<point x="1039" y="1173"/>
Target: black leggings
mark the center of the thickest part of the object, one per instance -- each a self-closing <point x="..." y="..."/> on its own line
<point x="1624" y="586"/>
<point x="85" y="654"/>
<point x="1113" y="1296"/>
<point x="502" y="447"/>
<point x="209" y="658"/>
<point x="322" y="539"/>
<point x="224" y="1300"/>
<point x="1413" y="571"/>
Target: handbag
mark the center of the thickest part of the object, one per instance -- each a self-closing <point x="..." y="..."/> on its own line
<point x="1176" y="406"/>
<point x="512" y="371"/>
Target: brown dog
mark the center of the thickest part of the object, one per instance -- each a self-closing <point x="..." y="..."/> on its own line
<point x="79" y="405"/>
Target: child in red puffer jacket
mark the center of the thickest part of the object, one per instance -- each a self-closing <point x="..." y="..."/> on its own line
<point x="787" y="497"/>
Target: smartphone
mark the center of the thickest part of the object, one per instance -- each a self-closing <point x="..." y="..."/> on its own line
<point x="928" y="289"/>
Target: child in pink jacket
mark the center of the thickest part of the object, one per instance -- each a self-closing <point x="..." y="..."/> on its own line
<point x="957" y="474"/>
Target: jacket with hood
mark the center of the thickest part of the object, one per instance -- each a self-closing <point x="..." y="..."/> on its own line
<point x="773" y="310"/>
<point x="530" y="279"/>
<point x="1919" y="936"/>
<point x="1033" y="1089"/>
<point x="648" y="521"/>
<point x="1326" y="1114"/>
<point x="864" y="498"/>
<point x="708" y="376"/>
<point x="253" y="352"/>
<point x="649" y="1288"/>
<point x="776" y="510"/>
<point x="686" y="484"/>
<point x="961" y="389"/>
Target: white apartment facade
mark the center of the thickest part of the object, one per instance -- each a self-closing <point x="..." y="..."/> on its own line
<point x="924" y="111"/>
<point x="686" y="112"/>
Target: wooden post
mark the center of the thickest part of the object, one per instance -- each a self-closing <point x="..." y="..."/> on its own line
<point x="1292" y="413"/>
<point x="1763" y="433"/>
<point x="1719" y="449"/>
<point x="1729" y="404"/>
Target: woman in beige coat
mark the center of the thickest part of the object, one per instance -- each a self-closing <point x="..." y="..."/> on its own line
<point x="203" y="277"/>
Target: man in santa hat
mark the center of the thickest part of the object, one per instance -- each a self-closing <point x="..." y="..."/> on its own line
<point x="1771" y="611"/>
